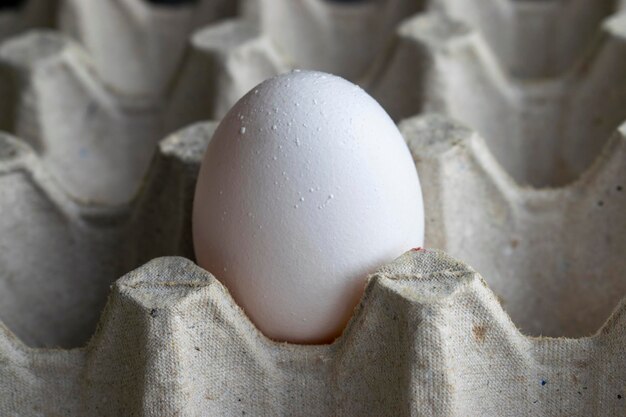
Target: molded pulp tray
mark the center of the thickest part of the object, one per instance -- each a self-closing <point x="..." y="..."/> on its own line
<point x="513" y="113"/>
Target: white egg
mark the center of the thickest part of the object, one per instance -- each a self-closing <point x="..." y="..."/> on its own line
<point x="305" y="188"/>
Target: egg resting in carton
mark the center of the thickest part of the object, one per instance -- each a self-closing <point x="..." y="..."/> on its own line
<point x="429" y="337"/>
<point x="546" y="116"/>
<point x="450" y="355"/>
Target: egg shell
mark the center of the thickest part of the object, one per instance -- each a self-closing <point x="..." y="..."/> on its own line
<point x="306" y="187"/>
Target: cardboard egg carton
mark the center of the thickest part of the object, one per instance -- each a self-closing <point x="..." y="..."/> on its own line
<point x="556" y="257"/>
<point x="96" y="142"/>
<point x="136" y="45"/>
<point x="545" y="131"/>
<point x="515" y="199"/>
<point x="429" y="337"/>
<point x="344" y="38"/>
<point x="226" y="59"/>
<point x="527" y="39"/>
<point x="90" y="102"/>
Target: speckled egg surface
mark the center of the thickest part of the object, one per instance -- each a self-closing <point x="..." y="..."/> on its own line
<point x="305" y="188"/>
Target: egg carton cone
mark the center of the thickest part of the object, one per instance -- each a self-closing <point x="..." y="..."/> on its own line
<point x="525" y="209"/>
<point x="428" y="338"/>
<point x="60" y="255"/>
<point x="136" y="45"/>
<point x="91" y="107"/>
<point x="95" y="141"/>
<point x="544" y="131"/>
<point x="227" y="59"/>
<point x="556" y="257"/>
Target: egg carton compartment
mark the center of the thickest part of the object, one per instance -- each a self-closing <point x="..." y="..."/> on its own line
<point x="60" y="255"/>
<point x="551" y="169"/>
<point x="554" y="256"/>
<point x="526" y="192"/>
<point x="134" y="44"/>
<point x="344" y="38"/>
<point x="20" y="15"/>
<point x="336" y="37"/>
<point x="533" y="39"/>
<point x="428" y="337"/>
<point x="545" y="132"/>
<point x="227" y="59"/>
<point x="95" y="142"/>
<point x="92" y="108"/>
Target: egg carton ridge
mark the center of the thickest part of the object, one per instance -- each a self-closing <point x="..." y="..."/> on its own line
<point x="307" y="34"/>
<point x="126" y="38"/>
<point x="62" y="254"/>
<point x="91" y="107"/>
<point x="429" y="337"/>
<point x="136" y="45"/>
<point x="425" y="338"/>
<point x="554" y="256"/>
<point x="95" y="141"/>
<point x="282" y="38"/>
<point x="20" y="15"/>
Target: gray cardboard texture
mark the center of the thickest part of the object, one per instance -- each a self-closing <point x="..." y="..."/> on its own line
<point x="514" y="114"/>
<point x="428" y="338"/>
